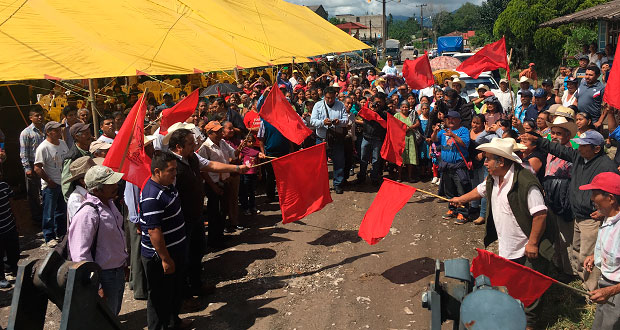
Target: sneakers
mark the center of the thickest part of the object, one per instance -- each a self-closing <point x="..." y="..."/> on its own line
<point x="4" y="284"/>
<point x="435" y="180"/>
<point x="479" y="221"/>
<point x="449" y="215"/>
<point x="461" y="219"/>
<point x="338" y="189"/>
<point x="255" y="211"/>
<point x="51" y="243"/>
<point x="438" y="182"/>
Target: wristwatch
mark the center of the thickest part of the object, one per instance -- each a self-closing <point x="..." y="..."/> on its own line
<point x="238" y="171"/>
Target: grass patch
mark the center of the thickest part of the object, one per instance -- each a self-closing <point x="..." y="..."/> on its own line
<point x="562" y="309"/>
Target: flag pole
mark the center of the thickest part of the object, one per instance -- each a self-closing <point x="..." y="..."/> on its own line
<point x="512" y="101"/>
<point x="579" y="291"/>
<point x="263" y="163"/>
<point x="120" y="167"/>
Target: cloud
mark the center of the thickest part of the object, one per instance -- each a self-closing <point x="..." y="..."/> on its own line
<point x="403" y="8"/>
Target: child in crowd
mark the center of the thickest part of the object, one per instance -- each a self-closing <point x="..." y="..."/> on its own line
<point x="247" y="188"/>
<point x="424" y="151"/>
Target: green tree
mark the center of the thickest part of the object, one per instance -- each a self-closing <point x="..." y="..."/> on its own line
<point x="480" y="39"/>
<point x="488" y="13"/>
<point x="443" y="23"/>
<point x="403" y="30"/>
<point x="466" y="18"/>
<point x="335" y="20"/>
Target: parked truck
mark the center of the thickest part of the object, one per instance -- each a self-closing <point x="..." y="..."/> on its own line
<point x="392" y="48"/>
<point x="449" y="44"/>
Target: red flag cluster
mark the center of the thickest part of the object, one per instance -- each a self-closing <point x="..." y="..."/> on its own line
<point x="418" y="73"/>
<point x="278" y="112"/>
<point x="179" y="112"/>
<point x="523" y="283"/>
<point x="490" y="57"/>
<point x="394" y="143"/>
<point x="392" y="196"/>
<point x="370" y="115"/>
<point x="303" y="182"/>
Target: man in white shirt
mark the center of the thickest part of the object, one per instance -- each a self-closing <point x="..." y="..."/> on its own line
<point x="517" y="210"/>
<point x="505" y="96"/>
<point x="390" y="68"/>
<point x="107" y="127"/>
<point x="48" y="162"/>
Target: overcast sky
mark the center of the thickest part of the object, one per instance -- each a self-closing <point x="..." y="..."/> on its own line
<point x="402" y="8"/>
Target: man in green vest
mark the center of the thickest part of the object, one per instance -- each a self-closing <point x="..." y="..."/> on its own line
<point x="517" y="217"/>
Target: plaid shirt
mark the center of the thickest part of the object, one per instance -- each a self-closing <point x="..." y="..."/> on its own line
<point x="29" y="140"/>
<point x="558" y="167"/>
<point x="607" y="248"/>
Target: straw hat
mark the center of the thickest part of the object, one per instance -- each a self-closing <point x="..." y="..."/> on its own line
<point x="98" y="145"/>
<point x="174" y="127"/>
<point x="525" y="79"/>
<point x="560" y="121"/>
<point x="456" y="80"/>
<point x="79" y="167"/>
<point x="515" y="145"/>
<point x="552" y="109"/>
<point x="500" y="147"/>
<point x="483" y="86"/>
<point x="565" y="112"/>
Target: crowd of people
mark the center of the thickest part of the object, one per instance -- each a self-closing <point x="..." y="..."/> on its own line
<point x="528" y="165"/>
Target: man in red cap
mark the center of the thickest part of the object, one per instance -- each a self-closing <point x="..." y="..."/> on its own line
<point x="530" y="73"/>
<point x="605" y="189"/>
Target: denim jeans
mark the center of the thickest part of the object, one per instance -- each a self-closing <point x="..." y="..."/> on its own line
<point x="478" y="176"/>
<point x="371" y="152"/>
<point x="113" y="285"/>
<point x="335" y="151"/>
<point x="247" y="191"/>
<point x="54" y="213"/>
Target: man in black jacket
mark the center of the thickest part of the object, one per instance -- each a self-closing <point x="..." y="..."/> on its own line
<point x="373" y="136"/>
<point x="452" y="101"/>
<point x="588" y="161"/>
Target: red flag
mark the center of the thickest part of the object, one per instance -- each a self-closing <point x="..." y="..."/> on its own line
<point x="369" y="115"/>
<point x="612" y="89"/>
<point x="392" y="196"/>
<point x="523" y="283"/>
<point x="490" y="57"/>
<point x="179" y="112"/>
<point x="278" y="112"/>
<point x="418" y="73"/>
<point x="127" y="152"/>
<point x="303" y="182"/>
<point x="394" y="143"/>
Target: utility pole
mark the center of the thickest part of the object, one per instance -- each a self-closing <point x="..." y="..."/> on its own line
<point x="384" y="28"/>
<point x="422" y="21"/>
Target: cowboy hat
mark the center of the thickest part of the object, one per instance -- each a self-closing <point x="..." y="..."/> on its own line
<point x="560" y="121"/>
<point x="525" y="79"/>
<point x="79" y="167"/>
<point x="457" y="80"/>
<point x="483" y="86"/>
<point x="174" y="127"/>
<point x="500" y="147"/>
<point x="515" y="145"/>
<point x="565" y="112"/>
<point x="552" y="109"/>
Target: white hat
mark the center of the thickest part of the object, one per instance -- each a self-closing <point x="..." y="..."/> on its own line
<point x="515" y="145"/>
<point x="561" y="121"/>
<point x="500" y="147"/>
<point x="565" y="112"/>
<point x="457" y="80"/>
<point x="524" y="79"/>
<point x="175" y="127"/>
<point x="100" y="174"/>
<point x="483" y="86"/>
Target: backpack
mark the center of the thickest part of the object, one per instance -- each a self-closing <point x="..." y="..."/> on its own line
<point x="63" y="247"/>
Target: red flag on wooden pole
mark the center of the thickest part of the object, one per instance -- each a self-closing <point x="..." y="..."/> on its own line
<point x="612" y="89"/>
<point x="127" y="152"/>
<point x="377" y="221"/>
<point x="418" y="73"/>
<point x="490" y="57"/>
<point x="394" y="143"/>
<point x="303" y="182"/>
<point x="278" y="112"/>
<point x="523" y="283"/>
<point x="179" y="112"/>
<point x="369" y="115"/>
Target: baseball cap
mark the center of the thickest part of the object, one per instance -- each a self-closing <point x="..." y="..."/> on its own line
<point x="78" y="127"/>
<point x="98" y="145"/>
<point x="547" y="82"/>
<point x="453" y="114"/>
<point x="51" y="125"/>
<point x="100" y="174"/>
<point x="531" y="64"/>
<point x="584" y="57"/>
<point x="213" y="126"/>
<point x="606" y="181"/>
<point x="571" y="80"/>
<point x="590" y="137"/>
<point x="488" y="94"/>
<point x="526" y="93"/>
<point x="539" y="92"/>
<point x="79" y="167"/>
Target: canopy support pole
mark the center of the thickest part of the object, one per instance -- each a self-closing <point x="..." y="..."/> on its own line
<point x="93" y="107"/>
<point x="17" y="105"/>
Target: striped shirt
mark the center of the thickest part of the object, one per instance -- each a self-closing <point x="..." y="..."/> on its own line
<point x="7" y="221"/>
<point x="160" y="207"/>
<point x="607" y="248"/>
<point x="29" y="140"/>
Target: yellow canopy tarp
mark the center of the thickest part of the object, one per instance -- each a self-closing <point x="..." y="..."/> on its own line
<point x="96" y="38"/>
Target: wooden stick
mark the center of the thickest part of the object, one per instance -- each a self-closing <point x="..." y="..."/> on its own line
<point x="431" y="194"/>
<point x="263" y="163"/>
<point x="271" y="157"/>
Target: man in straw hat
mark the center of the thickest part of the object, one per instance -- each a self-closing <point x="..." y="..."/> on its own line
<point x="459" y="86"/>
<point x="588" y="161"/>
<point x="505" y="96"/>
<point x="96" y="234"/>
<point x="77" y="169"/>
<point x="605" y="188"/>
<point x="516" y="211"/>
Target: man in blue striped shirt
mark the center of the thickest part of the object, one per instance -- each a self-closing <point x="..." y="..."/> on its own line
<point x="164" y="245"/>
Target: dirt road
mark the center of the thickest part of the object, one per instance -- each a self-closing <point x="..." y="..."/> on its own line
<point x="316" y="273"/>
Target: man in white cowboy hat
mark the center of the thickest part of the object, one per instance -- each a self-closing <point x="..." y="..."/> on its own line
<point x="516" y="215"/>
<point x="459" y="86"/>
<point x="556" y="185"/>
<point x="77" y="169"/>
<point x="525" y="84"/>
<point x="505" y="96"/>
<point x="588" y="161"/>
<point x="96" y="234"/>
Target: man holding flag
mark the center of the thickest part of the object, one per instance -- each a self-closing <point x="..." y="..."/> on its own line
<point x="517" y="209"/>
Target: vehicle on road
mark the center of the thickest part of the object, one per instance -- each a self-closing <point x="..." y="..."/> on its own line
<point x="462" y="56"/>
<point x="392" y="48"/>
<point x="408" y="47"/>
<point x="471" y="84"/>
<point x="449" y="44"/>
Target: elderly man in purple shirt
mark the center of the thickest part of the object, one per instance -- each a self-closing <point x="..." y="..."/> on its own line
<point x="96" y="234"/>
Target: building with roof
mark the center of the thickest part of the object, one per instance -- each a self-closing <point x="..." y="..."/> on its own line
<point x="373" y="22"/>
<point x="319" y="10"/>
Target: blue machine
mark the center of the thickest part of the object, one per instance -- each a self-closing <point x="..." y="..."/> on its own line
<point x="449" y="44"/>
<point x="471" y="305"/>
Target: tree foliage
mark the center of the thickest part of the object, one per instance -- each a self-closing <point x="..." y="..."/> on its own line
<point x="403" y="30"/>
<point x="335" y="20"/>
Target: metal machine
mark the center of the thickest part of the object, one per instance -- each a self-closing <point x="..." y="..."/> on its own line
<point x="472" y="305"/>
<point x="72" y="286"/>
